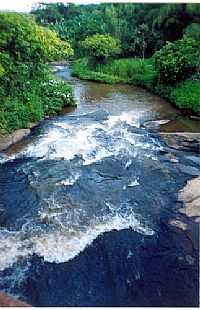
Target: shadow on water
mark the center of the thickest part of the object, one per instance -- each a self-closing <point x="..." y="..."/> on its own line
<point x="85" y="206"/>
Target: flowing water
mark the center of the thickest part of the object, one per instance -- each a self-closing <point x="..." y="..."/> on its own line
<point x="85" y="205"/>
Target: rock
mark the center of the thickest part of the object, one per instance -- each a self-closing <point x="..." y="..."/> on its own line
<point x="194" y="159"/>
<point x="191" y="191"/>
<point x="192" y="209"/>
<point x="5" y="141"/>
<point x="32" y="124"/>
<point x="190" y="195"/>
<point x="9" y="139"/>
<point x="179" y="224"/>
<point x="184" y="141"/>
<point x="8" y="301"/>
<point x="172" y="158"/>
<point x="195" y="117"/>
<point x="155" y="124"/>
<point x="20" y="134"/>
<point x="189" y="170"/>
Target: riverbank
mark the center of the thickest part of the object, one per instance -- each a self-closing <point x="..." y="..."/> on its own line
<point x="185" y="95"/>
<point x="40" y="99"/>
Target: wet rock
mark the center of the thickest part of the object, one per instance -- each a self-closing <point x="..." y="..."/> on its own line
<point x="20" y="134"/>
<point x="178" y="224"/>
<point x="195" y="117"/>
<point x="189" y="170"/>
<point x="5" y="141"/>
<point x="192" y="209"/>
<point x="155" y="124"/>
<point x="190" y="195"/>
<point x="32" y="125"/>
<point x="9" y="139"/>
<point x="191" y="191"/>
<point x="8" y="301"/>
<point x="194" y="159"/>
<point x="172" y="158"/>
<point x="182" y="141"/>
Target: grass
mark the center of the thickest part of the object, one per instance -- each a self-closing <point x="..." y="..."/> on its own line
<point x="185" y="95"/>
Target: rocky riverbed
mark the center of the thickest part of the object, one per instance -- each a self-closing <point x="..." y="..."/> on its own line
<point x="94" y="207"/>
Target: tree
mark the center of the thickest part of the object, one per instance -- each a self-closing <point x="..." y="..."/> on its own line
<point x="177" y="61"/>
<point x="140" y="39"/>
<point x="25" y="47"/>
<point x="101" y="47"/>
<point x="25" y="41"/>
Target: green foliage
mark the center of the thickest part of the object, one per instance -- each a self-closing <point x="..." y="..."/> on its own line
<point x="38" y="99"/>
<point x="25" y="41"/>
<point x="101" y="47"/>
<point x="193" y="31"/>
<point x="126" y="68"/>
<point x="81" y="70"/>
<point x="187" y="95"/>
<point x="27" y="92"/>
<point x="142" y="73"/>
<point x="123" y="21"/>
<point x="177" y="61"/>
<point x="140" y="37"/>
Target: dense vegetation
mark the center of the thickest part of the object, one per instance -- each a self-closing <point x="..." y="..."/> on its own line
<point x="172" y="72"/>
<point x="151" y="45"/>
<point x="141" y="28"/>
<point x="157" y="45"/>
<point x="27" y="90"/>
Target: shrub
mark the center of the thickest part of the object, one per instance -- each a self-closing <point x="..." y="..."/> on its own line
<point x="177" y="61"/>
<point x="39" y="98"/>
<point x="101" y="47"/>
<point x="187" y="95"/>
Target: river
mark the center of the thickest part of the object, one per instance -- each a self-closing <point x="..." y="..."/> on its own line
<point x="85" y="206"/>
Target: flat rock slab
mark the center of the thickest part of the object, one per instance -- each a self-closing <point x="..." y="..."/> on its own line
<point x="184" y="141"/>
<point x="190" y="196"/>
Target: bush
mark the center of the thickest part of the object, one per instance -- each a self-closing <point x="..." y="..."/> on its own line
<point x="101" y="47"/>
<point x="187" y="95"/>
<point x="27" y="92"/>
<point x="40" y="98"/>
<point x="177" y="61"/>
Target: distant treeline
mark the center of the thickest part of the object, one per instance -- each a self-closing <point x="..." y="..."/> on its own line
<point x="133" y="24"/>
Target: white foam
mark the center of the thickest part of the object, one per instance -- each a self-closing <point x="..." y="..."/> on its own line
<point x="134" y="183"/>
<point x="129" y="118"/>
<point x="60" y="248"/>
<point x="63" y="244"/>
<point x="71" y="180"/>
<point x="12" y="249"/>
<point x="90" y="141"/>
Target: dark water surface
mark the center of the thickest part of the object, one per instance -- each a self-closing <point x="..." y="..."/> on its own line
<point x="85" y="206"/>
